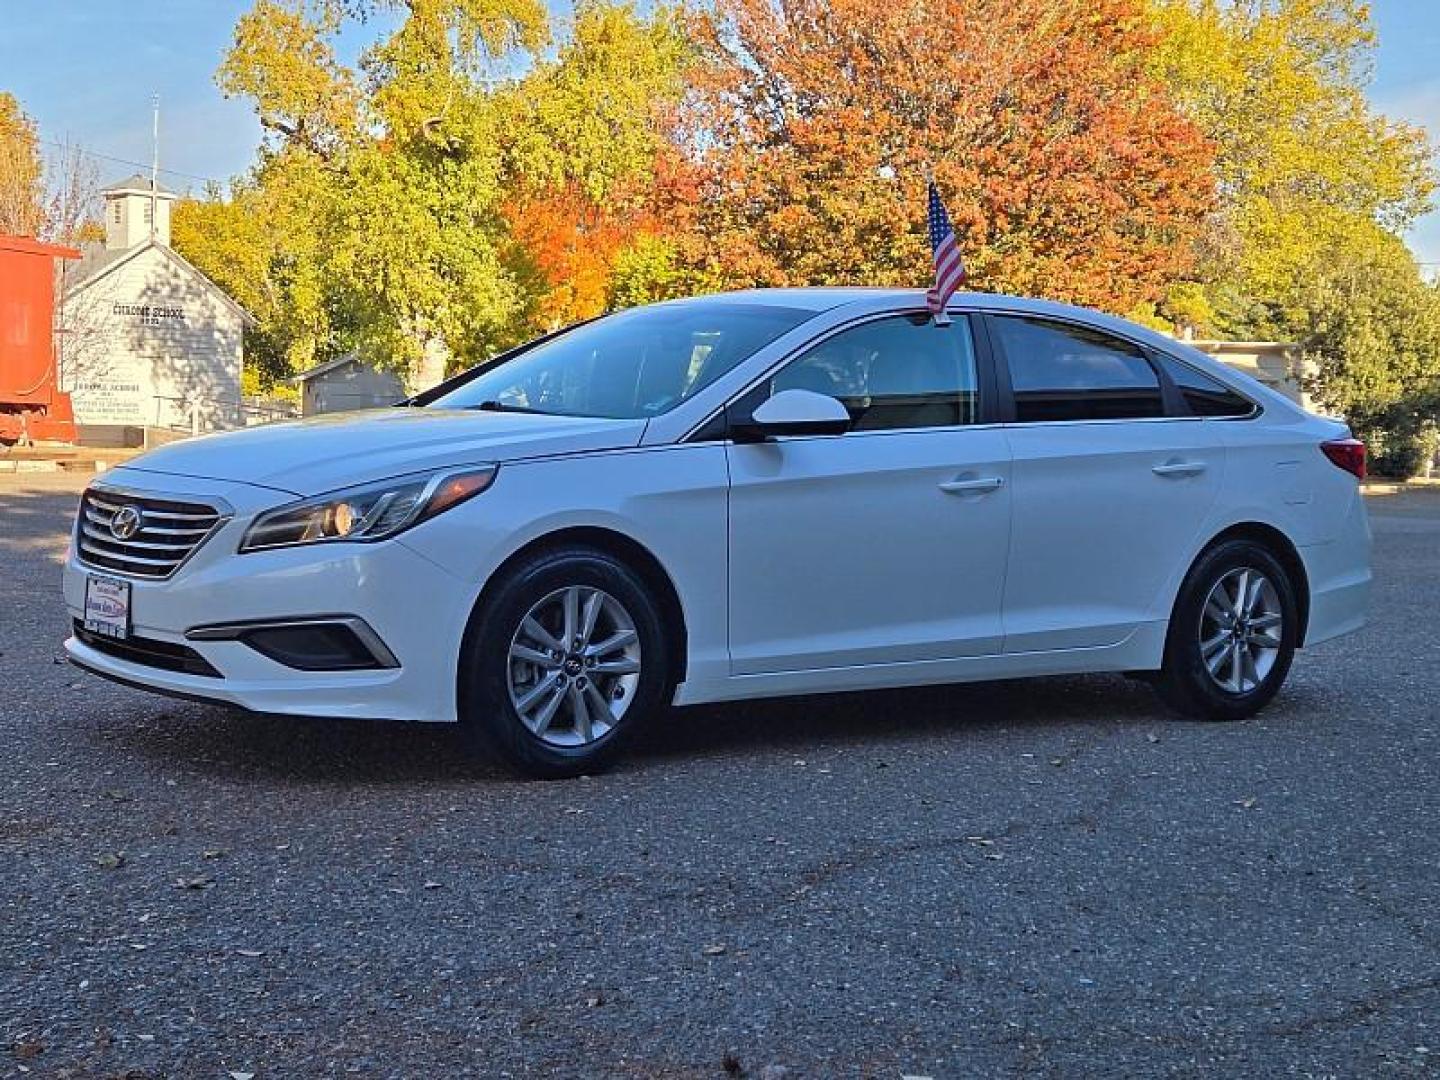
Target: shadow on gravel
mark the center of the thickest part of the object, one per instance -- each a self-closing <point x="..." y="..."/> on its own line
<point x="29" y="517"/>
<point x="232" y="744"/>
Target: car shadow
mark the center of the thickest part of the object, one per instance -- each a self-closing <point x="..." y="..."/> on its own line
<point x="222" y="742"/>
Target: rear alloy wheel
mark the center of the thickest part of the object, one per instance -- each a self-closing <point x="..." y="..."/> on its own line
<point x="565" y="655"/>
<point x="1232" y="635"/>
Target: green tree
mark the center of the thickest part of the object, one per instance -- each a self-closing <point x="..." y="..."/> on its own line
<point x="402" y="173"/>
<point x="1316" y="190"/>
<point x="1301" y="158"/>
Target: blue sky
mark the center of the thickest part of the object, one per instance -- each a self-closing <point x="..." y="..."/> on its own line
<point x="86" y="69"/>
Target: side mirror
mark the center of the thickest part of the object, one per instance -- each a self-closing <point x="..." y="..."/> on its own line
<point x="792" y="412"/>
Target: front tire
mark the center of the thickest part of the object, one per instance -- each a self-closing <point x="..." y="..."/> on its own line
<point x="1232" y="635"/>
<point x="565" y="656"/>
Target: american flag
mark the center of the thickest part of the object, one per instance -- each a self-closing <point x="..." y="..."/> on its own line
<point x="949" y="266"/>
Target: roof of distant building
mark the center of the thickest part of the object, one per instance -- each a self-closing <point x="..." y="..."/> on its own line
<point x="138" y="183"/>
<point x="96" y="261"/>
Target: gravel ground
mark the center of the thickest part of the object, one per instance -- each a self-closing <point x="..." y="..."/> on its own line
<point x="1049" y="878"/>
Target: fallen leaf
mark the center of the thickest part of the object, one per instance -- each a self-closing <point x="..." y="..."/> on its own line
<point x="29" y="1049"/>
<point x="110" y="860"/>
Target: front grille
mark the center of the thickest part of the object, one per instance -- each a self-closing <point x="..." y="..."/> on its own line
<point x="169" y="532"/>
<point x="148" y="651"/>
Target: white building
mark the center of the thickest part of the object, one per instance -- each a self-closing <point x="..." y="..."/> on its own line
<point x="147" y="341"/>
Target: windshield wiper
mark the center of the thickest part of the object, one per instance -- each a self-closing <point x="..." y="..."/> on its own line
<point x="501" y="406"/>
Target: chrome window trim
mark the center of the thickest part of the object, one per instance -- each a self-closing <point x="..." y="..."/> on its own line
<point x="1144" y="346"/>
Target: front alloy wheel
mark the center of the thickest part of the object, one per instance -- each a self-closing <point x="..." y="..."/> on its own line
<point x="566" y="653"/>
<point x="574" y="666"/>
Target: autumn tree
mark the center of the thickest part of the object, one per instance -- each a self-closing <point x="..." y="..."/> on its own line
<point x="22" y="185"/>
<point x="1067" y="169"/>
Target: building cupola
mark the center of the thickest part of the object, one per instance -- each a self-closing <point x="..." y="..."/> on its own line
<point x="134" y="213"/>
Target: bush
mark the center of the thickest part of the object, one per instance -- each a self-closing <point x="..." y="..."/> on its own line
<point x="1404" y="456"/>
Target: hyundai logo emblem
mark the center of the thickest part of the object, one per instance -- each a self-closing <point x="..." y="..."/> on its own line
<point x="126" y="523"/>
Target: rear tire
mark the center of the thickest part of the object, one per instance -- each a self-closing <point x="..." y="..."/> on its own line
<point x="565" y="656"/>
<point x="1232" y="635"/>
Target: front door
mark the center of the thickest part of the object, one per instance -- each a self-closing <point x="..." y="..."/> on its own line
<point x="883" y="545"/>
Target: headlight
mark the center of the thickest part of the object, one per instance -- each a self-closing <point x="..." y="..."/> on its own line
<point x="368" y="512"/>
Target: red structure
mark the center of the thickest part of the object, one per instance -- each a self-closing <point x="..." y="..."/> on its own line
<point x="32" y="405"/>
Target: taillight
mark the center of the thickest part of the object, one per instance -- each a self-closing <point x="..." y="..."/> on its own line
<point x="1348" y="454"/>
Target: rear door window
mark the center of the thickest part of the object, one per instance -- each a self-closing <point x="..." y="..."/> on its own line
<point x="1060" y="371"/>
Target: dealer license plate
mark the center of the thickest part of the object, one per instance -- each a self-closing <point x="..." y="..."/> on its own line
<point x="107" y="606"/>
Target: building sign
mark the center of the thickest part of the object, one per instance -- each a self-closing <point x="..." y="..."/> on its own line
<point x="149" y="314"/>
<point x="121" y="394"/>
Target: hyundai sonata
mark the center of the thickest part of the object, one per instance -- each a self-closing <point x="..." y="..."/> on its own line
<point x="737" y="496"/>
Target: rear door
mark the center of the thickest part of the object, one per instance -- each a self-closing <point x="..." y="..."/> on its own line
<point x="883" y="545"/>
<point x="1112" y="481"/>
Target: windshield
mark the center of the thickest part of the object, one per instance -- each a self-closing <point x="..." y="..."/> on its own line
<point x="630" y="365"/>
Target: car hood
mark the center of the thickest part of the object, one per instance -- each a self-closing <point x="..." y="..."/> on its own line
<point x="307" y="457"/>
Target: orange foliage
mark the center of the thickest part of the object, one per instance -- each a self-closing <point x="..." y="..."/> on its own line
<point x="573" y="241"/>
<point x="1068" y="171"/>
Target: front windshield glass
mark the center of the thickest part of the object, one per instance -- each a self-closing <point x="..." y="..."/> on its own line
<point x="630" y="365"/>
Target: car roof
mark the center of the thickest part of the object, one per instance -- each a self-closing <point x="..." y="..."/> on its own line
<point x="868" y="298"/>
<point x="864" y="300"/>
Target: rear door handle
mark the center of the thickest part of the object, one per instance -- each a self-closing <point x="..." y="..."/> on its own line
<point x="1179" y="468"/>
<point x="982" y="484"/>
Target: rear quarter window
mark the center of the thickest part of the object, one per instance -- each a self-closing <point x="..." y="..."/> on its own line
<point x="1204" y="395"/>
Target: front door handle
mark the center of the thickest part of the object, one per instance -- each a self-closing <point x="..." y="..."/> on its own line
<point x="981" y="484"/>
<point x="1179" y="468"/>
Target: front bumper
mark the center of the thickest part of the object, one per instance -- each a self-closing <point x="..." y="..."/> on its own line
<point x="416" y="608"/>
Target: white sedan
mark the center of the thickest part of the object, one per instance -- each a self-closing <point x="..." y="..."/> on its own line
<point x="737" y="496"/>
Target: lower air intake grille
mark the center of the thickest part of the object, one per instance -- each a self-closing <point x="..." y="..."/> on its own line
<point x="139" y="535"/>
<point x="151" y="653"/>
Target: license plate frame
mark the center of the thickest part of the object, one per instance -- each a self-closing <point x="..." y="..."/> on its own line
<point x="107" y="606"/>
